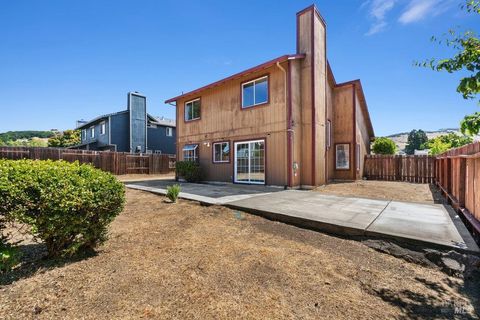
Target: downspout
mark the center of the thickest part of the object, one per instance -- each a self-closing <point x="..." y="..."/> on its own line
<point x="287" y="105"/>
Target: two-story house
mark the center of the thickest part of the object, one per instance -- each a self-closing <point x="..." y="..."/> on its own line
<point x="132" y="130"/>
<point x="285" y="122"/>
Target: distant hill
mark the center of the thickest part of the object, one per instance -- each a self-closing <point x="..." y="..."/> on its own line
<point x="401" y="139"/>
<point x="20" y="135"/>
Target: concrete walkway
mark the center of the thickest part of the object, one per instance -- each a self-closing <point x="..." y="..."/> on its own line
<point x="427" y="224"/>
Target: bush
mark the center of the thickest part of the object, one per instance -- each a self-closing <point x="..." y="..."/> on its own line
<point x="9" y="256"/>
<point x="67" y="205"/>
<point x="172" y="192"/>
<point x="189" y="170"/>
<point x="384" y="146"/>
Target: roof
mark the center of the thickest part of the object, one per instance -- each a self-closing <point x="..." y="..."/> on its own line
<point x="153" y="120"/>
<point x="262" y="66"/>
<point x="103" y="116"/>
<point x="363" y="102"/>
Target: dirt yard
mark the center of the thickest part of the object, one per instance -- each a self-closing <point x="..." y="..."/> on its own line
<point x="391" y="190"/>
<point x="187" y="261"/>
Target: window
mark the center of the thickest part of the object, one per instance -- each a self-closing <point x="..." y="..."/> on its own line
<point x="169" y="132"/>
<point x="192" y="110"/>
<point x="92" y="132"/>
<point x="190" y="152"/>
<point x="329" y="134"/>
<point x="221" y="152"/>
<point x="102" y="127"/>
<point x="342" y="156"/>
<point x="84" y="134"/>
<point x="357" y="157"/>
<point x="255" y="92"/>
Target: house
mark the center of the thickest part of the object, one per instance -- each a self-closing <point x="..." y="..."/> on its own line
<point x="285" y="122"/>
<point x="132" y="130"/>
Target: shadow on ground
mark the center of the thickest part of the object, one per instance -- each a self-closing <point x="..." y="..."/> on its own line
<point x="33" y="259"/>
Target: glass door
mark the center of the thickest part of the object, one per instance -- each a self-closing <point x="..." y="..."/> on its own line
<point x="250" y="162"/>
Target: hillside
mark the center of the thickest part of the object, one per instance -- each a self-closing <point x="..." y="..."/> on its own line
<point x="401" y="139"/>
<point x="25" y="138"/>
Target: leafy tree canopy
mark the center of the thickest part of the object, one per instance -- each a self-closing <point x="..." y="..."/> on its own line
<point x="65" y="139"/>
<point x="445" y="142"/>
<point x="466" y="61"/>
<point x="17" y="135"/>
<point x="416" y="141"/>
<point x="384" y="145"/>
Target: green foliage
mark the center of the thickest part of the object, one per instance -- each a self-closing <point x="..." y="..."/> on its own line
<point x="445" y="142"/>
<point x="9" y="257"/>
<point x="33" y="142"/>
<point x="189" y="170"/>
<point x="384" y="145"/>
<point x="65" y="139"/>
<point x="465" y="61"/>
<point x="19" y="135"/>
<point x="416" y="141"/>
<point x="470" y="125"/>
<point x="67" y="205"/>
<point x="173" y="192"/>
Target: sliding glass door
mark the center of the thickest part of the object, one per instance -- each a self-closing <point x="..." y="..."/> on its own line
<point x="250" y="162"/>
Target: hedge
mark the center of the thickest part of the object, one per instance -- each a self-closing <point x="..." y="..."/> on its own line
<point x="68" y="205"/>
<point x="189" y="170"/>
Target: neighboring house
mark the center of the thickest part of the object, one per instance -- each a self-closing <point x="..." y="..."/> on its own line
<point x="132" y="130"/>
<point x="285" y="122"/>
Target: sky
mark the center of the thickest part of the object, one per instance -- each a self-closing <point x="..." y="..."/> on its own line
<point x="61" y="61"/>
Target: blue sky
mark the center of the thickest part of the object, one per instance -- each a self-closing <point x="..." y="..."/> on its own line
<point x="66" y="60"/>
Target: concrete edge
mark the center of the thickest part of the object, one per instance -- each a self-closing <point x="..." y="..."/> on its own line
<point x="300" y="222"/>
<point x="182" y="195"/>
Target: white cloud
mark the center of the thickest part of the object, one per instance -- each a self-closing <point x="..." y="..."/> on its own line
<point x="418" y="10"/>
<point x="378" y="10"/>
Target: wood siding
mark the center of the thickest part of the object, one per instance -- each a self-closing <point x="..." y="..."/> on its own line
<point x="223" y="119"/>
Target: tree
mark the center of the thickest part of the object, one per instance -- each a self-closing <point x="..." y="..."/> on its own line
<point x="445" y="142"/>
<point x="65" y="139"/>
<point x="384" y="145"/>
<point x="465" y="61"/>
<point x="416" y="141"/>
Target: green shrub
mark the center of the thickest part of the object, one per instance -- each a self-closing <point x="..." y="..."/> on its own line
<point x="383" y="145"/>
<point x="189" y="170"/>
<point x="67" y="205"/>
<point x="9" y="257"/>
<point x="172" y="192"/>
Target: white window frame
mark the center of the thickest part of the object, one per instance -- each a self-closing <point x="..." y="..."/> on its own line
<point x="103" y="128"/>
<point x="347" y="150"/>
<point x="185" y="110"/>
<point x="92" y="132"/>
<point x="256" y="80"/>
<point x="329" y="134"/>
<point x="264" y="161"/>
<point x="169" y="131"/>
<point x="194" y="148"/>
<point x="221" y="143"/>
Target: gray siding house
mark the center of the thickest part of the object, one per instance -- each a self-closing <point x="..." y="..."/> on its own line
<point x="132" y="130"/>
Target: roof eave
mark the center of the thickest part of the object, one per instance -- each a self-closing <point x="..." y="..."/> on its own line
<point x="238" y="75"/>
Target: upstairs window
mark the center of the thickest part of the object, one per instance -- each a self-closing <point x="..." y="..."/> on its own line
<point x="221" y="152"/>
<point x="84" y="134"/>
<point x="92" y="132"/>
<point x="192" y="110"/>
<point x="190" y="152"/>
<point x="169" y="132"/>
<point x="102" y="127"/>
<point x="255" y="92"/>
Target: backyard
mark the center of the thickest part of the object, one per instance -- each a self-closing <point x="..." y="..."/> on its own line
<point x="185" y="260"/>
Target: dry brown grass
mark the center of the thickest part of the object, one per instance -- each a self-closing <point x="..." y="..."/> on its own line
<point x="145" y="177"/>
<point x="391" y="190"/>
<point x="187" y="261"/>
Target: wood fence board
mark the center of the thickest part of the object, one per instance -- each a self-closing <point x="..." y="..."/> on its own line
<point x="118" y="163"/>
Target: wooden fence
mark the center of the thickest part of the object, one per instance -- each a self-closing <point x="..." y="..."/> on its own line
<point x="118" y="163"/>
<point x="458" y="176"/>
<point x="418" y="169"/>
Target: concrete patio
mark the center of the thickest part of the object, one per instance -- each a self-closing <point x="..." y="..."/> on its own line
<point x="427" y="224"/>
